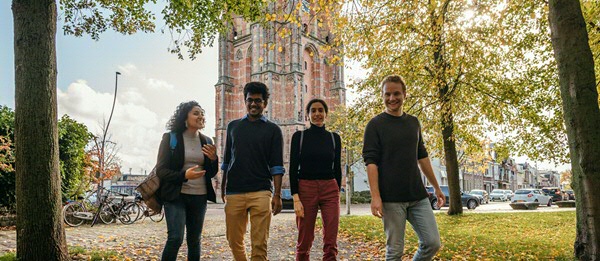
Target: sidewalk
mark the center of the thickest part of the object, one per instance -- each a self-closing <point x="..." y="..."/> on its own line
<point x="145" y="240"/>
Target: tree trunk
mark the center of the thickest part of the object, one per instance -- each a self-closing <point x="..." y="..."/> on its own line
<point x="447" y="118"/>
<point x="582" y="118"/>
<point x="40" y="231"/>
<point x="450" y="154"/>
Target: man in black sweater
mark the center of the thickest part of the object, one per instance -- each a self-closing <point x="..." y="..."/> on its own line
<point x="394" y="151"/>
<point x="253" y="158"/>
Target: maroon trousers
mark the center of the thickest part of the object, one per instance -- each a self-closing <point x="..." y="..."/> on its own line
<point x="315" y="195"/>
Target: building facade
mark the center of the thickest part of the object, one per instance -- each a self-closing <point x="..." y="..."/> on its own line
<point x="294" y="67"/>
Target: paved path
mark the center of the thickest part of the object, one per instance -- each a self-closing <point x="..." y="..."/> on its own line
<point x="145" y="240"/>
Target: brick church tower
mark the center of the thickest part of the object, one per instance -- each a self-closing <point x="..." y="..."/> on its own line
<point x="294" y="68"/>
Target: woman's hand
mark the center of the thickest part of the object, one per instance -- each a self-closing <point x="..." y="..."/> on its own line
<point x="298" y="208"/>
<point x="210" y="151"/>
<point x="194" y="172"/>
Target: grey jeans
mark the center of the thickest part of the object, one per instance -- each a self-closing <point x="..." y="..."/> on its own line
<point x="421" y="218"/>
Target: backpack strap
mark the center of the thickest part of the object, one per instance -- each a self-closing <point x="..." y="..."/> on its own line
<point x="333" y="140"/>
<point x="173" y="141"/>
<point x="301" y="138"/>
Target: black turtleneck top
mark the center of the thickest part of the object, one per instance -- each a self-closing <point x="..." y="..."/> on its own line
<point x="318" y="159"/>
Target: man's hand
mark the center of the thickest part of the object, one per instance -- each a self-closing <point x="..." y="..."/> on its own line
<point x="298" y="207"/>
<point x="377" y="207"/>
<point x="194" y="172"/>
<point x="276" y="204"/>
<point x="224" y="197"/>
<point x="441" y="198"/>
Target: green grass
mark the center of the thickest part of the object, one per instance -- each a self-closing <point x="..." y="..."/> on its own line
<point x="493" y="236"/>
<point x="77" y="251"/>
<point x="8" y="257"/>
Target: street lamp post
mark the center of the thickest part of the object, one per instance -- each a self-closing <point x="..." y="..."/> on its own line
<point x="101" y="158"/>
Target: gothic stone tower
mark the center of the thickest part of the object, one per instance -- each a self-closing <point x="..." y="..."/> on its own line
<point x="293" y="68"/>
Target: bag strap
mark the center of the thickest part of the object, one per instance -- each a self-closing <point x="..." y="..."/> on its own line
<point x="301" y="138"/>
<point x="333" y="140"/>
<point x="173" y="140"/>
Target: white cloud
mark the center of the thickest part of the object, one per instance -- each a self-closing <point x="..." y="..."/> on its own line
<point x="142" y="109"/>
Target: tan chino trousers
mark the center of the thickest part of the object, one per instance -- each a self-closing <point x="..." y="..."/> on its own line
<point x="237" y="208"/>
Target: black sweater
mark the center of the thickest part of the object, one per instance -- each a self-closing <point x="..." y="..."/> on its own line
<point x="253" y="154"/>
<point x="395" y="145"/>
<point x="318" y="160"/>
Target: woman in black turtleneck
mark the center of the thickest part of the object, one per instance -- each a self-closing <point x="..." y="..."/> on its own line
<point x="315" y="178"/>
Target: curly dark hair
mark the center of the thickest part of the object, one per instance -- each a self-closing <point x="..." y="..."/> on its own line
<point x="177" y="122"/>
<point x="310" y="103"/>
<point x="256" y="88"/>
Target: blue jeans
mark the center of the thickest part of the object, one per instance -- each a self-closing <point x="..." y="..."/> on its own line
<point x="186" y="212"/>
<point x="421" y="218"/>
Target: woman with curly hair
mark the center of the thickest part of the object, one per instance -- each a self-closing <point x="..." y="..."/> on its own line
<point x="185" y="173"/>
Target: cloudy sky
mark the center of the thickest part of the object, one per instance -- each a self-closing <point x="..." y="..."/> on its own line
<point x="152" y="83"/>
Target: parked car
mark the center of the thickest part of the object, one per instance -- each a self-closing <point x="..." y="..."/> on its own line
<point x="498" y="194"/>
<point x="479" y="197"/>
<point x="287" y="201"/>
<point x="569" y="194"/>
<point x="555" y="192"/>
<point x="509" y="194"/>
<point x="485" y="197"/>
<point x="469" y="201"/>
<point x="532" y="195"/>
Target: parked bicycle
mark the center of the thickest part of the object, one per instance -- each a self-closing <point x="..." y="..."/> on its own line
<point x="75" y="212"/>
<point x="109" y="210"/>
<point x="148" y="212"/>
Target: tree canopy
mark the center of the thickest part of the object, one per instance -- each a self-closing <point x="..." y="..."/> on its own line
<point x="494" y="56"/>
<point x="193" y="25"/>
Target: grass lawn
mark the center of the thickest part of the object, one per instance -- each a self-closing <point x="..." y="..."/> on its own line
<point x="78" y="253"/>
<point x="493" y="236"/>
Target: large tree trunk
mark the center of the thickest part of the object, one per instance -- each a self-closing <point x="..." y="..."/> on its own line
<point x="40" y="231"/>
<point x="582" y="118"/>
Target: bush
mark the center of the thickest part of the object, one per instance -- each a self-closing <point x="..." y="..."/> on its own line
<point x="358" y="197"/>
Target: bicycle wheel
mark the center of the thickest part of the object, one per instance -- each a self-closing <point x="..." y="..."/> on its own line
<point x="68" y="214"/>
<point x="129" y="213"/>
<point x="106" y="215"/>
<point x="157" y="217"/>
<point x="143" y="211"/>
